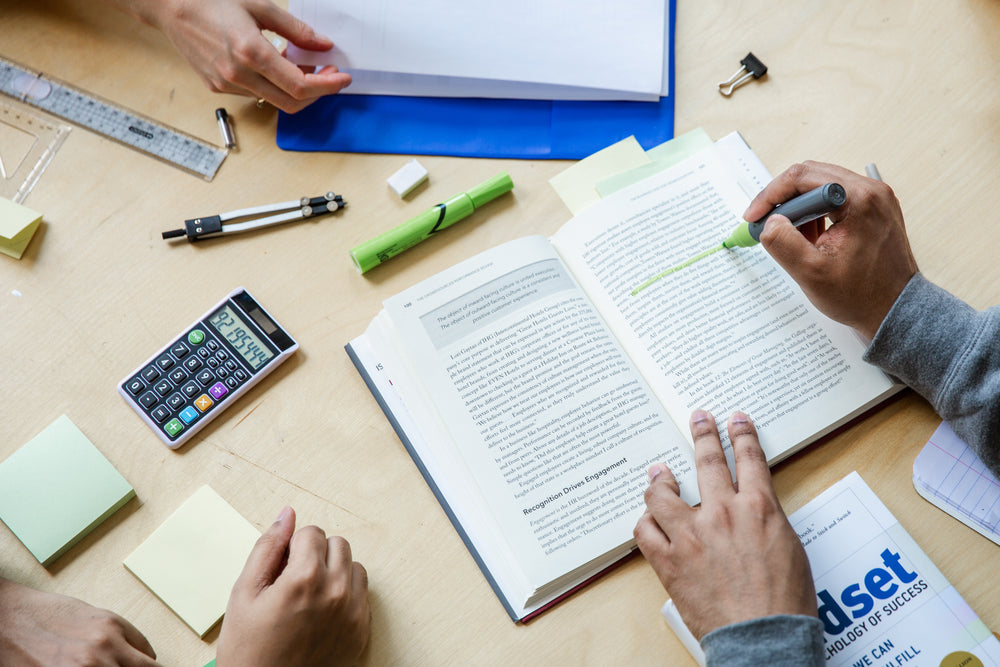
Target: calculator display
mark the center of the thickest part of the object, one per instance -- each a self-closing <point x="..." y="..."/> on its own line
<point x="246" y="343"/>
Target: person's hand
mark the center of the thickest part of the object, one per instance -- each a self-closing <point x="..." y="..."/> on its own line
<point x="300" y="600"/>
<point x="223" y="42"/>
<point x="736" y="557"/>
<point x="46" y="629"/>
<point x="853" y="271"/>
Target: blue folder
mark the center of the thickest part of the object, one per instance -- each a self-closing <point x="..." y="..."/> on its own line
<point x="477" y="127"/>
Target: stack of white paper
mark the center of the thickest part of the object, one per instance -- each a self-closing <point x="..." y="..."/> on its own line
<point x="528" y="49"/>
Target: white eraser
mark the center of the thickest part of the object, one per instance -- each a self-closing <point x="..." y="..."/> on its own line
<point x="406" y="179"/>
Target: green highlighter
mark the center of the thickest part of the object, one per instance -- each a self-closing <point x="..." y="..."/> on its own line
<point x="800" y="210"/>
<point x="386" y="246"/>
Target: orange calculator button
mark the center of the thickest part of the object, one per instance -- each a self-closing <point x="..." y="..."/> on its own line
<point x="203" y="402"/>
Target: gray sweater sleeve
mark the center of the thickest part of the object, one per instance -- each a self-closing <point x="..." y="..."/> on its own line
<point x="950" y="354"/>
<point x="776" y="641"/>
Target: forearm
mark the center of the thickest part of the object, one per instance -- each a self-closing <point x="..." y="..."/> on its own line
<point x="950" y="354"/>
<point x="777" y="641"/>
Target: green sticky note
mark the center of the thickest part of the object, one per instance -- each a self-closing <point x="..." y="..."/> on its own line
<point x="680" y="147"/>
<point x="193" y="559"/>
<point x="663" y="157"/>
<point x="57" y="488"/>
<point x="17" y="225"/>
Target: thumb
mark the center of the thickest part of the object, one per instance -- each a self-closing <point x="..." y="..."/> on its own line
<point x="787" y="245"/>
<point x="267" y="558"/>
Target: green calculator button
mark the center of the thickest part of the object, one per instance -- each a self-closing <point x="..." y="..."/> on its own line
<point x="196" y="337"/>
<point x="173" y="427"/>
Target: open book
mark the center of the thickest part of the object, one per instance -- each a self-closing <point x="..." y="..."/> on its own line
<point x="882" y="601"/>
<point x="533" y="390"/>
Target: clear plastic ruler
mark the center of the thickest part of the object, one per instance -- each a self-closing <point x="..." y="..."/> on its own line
<point x="28" y="142"/>
<point x="110" y="120"/>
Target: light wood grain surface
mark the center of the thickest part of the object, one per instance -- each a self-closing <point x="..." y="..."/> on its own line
<point x="910" y="85"/>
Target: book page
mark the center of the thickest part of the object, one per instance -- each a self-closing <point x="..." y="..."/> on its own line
<point x="730" y="332"/>
<point x="545" y="410"/>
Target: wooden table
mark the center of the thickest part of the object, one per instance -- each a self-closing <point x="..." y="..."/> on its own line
<point x="909" y="85"/>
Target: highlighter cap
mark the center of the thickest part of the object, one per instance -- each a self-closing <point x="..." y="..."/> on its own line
<point x="491" y="189"/>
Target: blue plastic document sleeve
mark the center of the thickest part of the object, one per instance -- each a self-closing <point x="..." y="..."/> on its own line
<point x="477" y="127"/>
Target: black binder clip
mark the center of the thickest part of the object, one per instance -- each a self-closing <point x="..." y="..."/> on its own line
<point x="752" y="68"/>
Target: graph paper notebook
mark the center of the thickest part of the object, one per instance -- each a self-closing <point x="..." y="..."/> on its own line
<point x="950" y="475"/>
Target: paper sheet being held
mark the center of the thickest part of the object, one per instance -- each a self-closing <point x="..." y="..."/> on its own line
<point x="556" y="49"/>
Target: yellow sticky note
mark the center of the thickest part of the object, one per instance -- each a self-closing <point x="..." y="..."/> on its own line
<point x="576" y="186"/>
<point x="193" y="559"/>
<point x="17" y="225"/>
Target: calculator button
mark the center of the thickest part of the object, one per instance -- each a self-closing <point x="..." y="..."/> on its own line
<point x="188" y="414"/>
<point x="241" y="375"/>
<point x="165" y="362"/>
<point x="218" y="390"/>
<point x="212" y="362"/>
<point x="203" y="402"/>
<point x="212" y="345"/>
<point x="222" y="372"/>
<point x="150" y="374"/>
<point x="163" y="387"/>
<point x="159" y="413"/>
<point x="179" y="350"/>
<point x="231" y="365"/>
<point x="173" y="427"/>
<point x="135" y="386"/>
<point x="175" y="401"/>
<point x="221" y="355"/>
<point x="177" y="376"/>
<point x="193" y="364"/>
<point x="204" y="352"/>
<point x="191" y="389"/>
<point x="232" y="383"/>
<point x="196" y="337"/>
<point x="148" y="400"/>
<point x="205" y="377"/>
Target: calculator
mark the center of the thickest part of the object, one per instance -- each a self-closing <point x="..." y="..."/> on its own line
<point x="184" y="386"/>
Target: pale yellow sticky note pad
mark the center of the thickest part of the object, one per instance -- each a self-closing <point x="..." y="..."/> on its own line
<point x="17" y="225"/>
<point x="576" y="185"/>
<point x="193" y="559"/>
